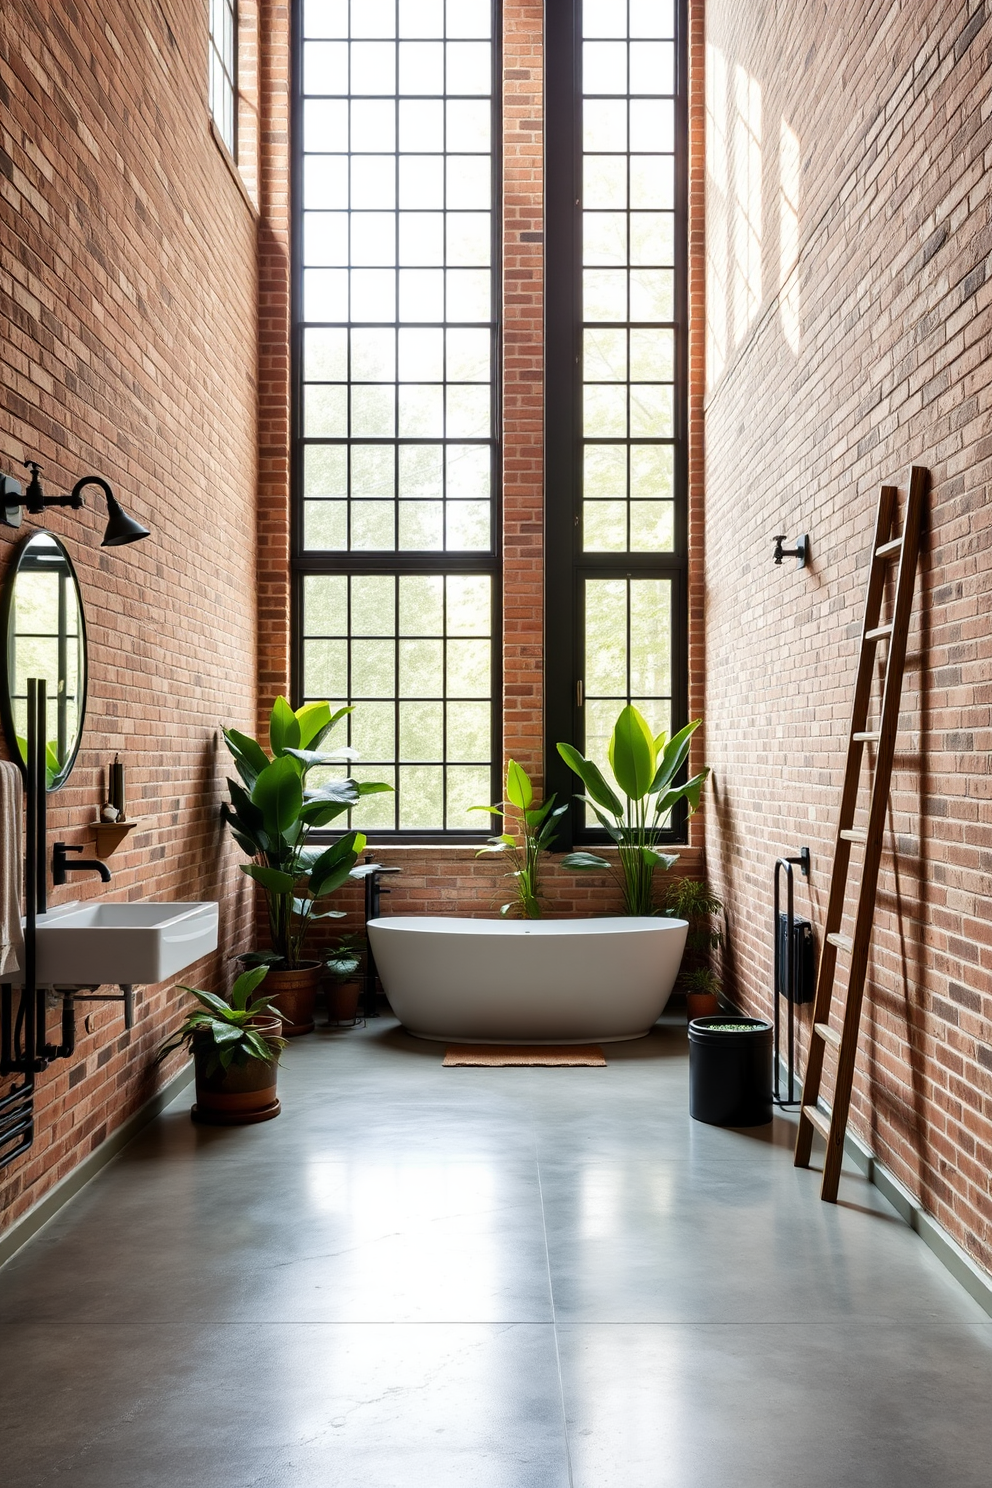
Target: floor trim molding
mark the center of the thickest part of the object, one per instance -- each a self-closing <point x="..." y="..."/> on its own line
<point x="23" y="1229"/>
<point x="967" y="1272"/>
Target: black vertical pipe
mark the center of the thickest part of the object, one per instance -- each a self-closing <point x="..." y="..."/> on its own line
<point x="41" y="839"/>
<point x="29" y="990"/>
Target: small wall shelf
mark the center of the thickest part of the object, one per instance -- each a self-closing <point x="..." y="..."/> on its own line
<point x="110" y="835"/>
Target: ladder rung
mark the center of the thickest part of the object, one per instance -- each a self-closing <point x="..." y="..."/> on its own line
<point x="872" y="737"/>
<point x="854" y="834"/>
<point x="879" y="633"/>
<point x="828" y="1035"/>
<point x="819" y="1119"/>
<point x="889" y="549"/>
<point x="842" y="942"/>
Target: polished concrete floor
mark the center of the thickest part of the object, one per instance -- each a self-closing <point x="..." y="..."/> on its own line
<point x="465" y="1278"/>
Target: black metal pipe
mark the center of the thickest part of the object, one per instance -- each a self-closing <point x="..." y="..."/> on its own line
<point x="31" y="878"/>
<point x="6" y="1030"/>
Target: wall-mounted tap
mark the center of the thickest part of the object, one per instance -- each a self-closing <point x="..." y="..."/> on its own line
<point x="61" y="865"/>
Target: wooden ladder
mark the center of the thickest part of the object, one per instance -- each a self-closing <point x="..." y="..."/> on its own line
<point x="886" y="549"/>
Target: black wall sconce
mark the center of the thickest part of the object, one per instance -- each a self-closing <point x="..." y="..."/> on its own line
<point x="120" y="527"/>
<point x="800" y="552"/>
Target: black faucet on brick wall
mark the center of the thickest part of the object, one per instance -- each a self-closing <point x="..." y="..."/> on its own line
<point x="61" y="865"/>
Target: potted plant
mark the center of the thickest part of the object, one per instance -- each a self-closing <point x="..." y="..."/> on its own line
<point x="687" y="899"/>
<point x="235" y="1046"/>
<point x="537" y="826"/>
<point x="344" y="987"/>
<point x="644" y="768"/>
<point x="271" y="814"/>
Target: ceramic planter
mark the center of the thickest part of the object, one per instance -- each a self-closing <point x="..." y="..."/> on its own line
<point x="701" y="1005"/>
<point x="242" y="1094"/>
<point x="342" y="1000"/>
<point x="294" y="994"/>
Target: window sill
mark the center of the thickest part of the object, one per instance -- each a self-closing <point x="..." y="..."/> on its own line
<point x="232" y="166"/>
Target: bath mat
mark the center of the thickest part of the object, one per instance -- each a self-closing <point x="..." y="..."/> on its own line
<point x="491" y="1055"/>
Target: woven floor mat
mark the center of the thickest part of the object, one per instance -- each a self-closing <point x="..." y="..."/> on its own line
<point x="491" y="1055"/>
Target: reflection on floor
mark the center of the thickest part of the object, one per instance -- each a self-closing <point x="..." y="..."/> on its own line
<point x="471" y="1278"/>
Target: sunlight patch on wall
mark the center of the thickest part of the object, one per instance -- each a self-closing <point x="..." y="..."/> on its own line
<point x="716" y="214"/>
<point x="789" y="166"/>
<point x="746" y="202"/>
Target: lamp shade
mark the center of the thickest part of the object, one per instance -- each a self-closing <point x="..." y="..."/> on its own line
<point x="120" y="527"/>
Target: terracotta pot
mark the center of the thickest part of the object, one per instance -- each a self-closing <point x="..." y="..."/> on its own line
<point x="295" y="993"/>
<point x="701" y="1005"/>
<point x="342" y="1000"/>
<point x="242" y="1094"/>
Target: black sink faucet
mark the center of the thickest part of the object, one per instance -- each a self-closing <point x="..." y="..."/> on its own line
<point x="61" y="866"/>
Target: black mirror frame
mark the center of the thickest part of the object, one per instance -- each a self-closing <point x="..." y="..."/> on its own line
<point x="6" y="711"/>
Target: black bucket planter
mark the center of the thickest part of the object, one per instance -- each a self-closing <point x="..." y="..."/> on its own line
<point x="730" y="1071"/>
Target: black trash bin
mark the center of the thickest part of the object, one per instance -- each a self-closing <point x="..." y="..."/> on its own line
<point x="730" y="1071"/>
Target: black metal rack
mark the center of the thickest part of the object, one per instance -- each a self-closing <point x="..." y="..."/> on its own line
<point x="788" y="982"/>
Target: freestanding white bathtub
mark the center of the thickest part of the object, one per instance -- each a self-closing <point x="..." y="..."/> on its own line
<point x="527" y="981"/>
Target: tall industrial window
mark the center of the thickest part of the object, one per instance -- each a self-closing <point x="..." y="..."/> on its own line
<point x="616" y="395"/>
<point x="396" y="467"/>
<point x="223" y="69"/>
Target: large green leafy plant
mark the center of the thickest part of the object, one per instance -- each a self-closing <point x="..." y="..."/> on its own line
<point x="636" y="813"/>
<point x="229" y="1028"/>
<point x="536" y="824"/>
<point x="272" y="812"/>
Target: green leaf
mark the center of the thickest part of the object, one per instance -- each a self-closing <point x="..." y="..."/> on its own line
<point x="372" y="787"/>
<point x="284" y="728"/>
<point x="270" y="878"/>
<point x="278" y="792"/>
<point x="322" y="733"/>
<point x="249" y="756"/>
<point x="519" y="790"/>
<point x="632" y="753"/>
<point x="312" y="718"/>
<point x="658" y="860"/>
<point x="311" y="757"/>
<point x="674" y="755"/>
<point x="322" y="813"/>
<point x="585" y="862"/>
<point x="334" y="866"/>
<point x="249" y="816"/>
<point x="245" y="985"/>
<point x="345" y="791"/>
<point x="592" y="778"/>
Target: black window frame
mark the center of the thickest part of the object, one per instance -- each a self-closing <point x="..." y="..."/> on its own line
<point x="566" y="565"/>
<point x="394" y="562"/>
<point x="230" y="10"/>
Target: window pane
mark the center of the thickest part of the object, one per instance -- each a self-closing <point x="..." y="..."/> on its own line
<point x="396" y="390"/>
<point x="412" y="652"/>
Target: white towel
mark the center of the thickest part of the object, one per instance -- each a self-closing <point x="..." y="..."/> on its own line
<point x="11" y="869"/>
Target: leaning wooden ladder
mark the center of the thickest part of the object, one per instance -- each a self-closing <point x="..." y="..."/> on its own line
<point x="886" y="549"/>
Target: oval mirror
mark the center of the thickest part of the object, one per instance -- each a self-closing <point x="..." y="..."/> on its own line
<point x="45" y="636"/>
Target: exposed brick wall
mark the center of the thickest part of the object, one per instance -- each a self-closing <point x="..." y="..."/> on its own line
<point x="848" y="337"/>
<point x="127" y="317"/>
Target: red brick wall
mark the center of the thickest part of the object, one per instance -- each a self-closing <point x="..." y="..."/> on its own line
<point x="827" y="379"/>
<point x="127" y="319"/>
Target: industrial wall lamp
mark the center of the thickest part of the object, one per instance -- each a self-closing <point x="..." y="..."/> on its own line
<point x="120" y="527"/>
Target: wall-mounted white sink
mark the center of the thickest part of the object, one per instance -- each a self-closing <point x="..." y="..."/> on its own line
<point x="136" y="944"/>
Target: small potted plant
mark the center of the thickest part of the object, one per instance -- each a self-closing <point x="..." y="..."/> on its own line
<point x="272" y="812"/>
<point x="235" y="1045"/>
<point x="537" y="825"/>
<point x="687" y="899"/>
<point x="644" y="768"/>
<point x="344" y="964"/>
